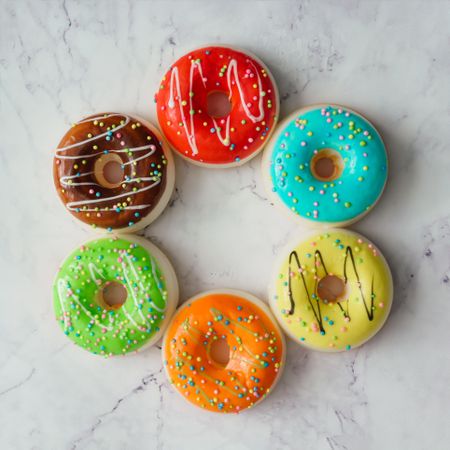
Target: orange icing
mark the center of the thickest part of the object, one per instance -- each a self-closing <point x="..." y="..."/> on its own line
<point x="255" y="359"/>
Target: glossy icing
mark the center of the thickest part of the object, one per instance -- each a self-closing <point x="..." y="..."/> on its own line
<point x="298" y="140"/>
<point x="332" y="326"/>
<point x="147" y="172"/>
<point x="151" y="288"/>
<point x="256" y="354"/>
<point x="182" y="105"/>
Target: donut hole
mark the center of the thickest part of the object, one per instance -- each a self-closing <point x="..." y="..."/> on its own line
<point x="327" y="165"/>
<point x="218" y="104"/>
<point x="331" y="289"/>
<point x="219" y="352"/>
<point x="112" y="295"/>
<point x="108" y="170"/>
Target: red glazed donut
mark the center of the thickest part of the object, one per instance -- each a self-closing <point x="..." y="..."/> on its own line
<point x="193" y="130"/>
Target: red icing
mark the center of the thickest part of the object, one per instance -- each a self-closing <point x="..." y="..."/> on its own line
<point x="192" y="135"/>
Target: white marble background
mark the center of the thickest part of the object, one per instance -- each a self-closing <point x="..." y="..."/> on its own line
<point x="60" y="61"/>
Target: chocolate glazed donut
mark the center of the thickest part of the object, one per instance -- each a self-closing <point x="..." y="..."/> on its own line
<point x="113" y="171"/>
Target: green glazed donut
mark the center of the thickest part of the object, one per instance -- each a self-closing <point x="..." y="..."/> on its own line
<point x="137" y="269"/>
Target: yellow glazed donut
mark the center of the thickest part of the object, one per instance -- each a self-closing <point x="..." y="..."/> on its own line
<point x="332" y="291"/>
<point x="223" y="351"/>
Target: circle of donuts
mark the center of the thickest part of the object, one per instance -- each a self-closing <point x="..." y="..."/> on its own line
<point x="224" y="350"/>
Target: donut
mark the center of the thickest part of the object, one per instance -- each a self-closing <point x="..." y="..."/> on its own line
<point x="223" y="351"/>
<point x="114" y="172"/>
<point x="217" y="106"/>
<point x="113" y="296"/>
<point x="326" y="164"/>
<point x="332" y="291"/>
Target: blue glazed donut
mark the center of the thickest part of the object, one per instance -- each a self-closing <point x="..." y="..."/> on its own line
<point x="327" y="164"/>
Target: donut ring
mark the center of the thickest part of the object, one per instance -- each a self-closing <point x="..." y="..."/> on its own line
<point x="80" y="295"/>
<point x="193" y="131"/>
<point x="254" y="358"/>
<point x="332" y="291"/>
<point x="326" y="164"/>
<point x="140" y="191"/>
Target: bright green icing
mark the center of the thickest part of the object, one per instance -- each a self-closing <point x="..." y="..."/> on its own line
<point x="102" y="330"/>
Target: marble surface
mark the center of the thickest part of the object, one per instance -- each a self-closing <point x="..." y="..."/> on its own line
<point x="62" y="60"/>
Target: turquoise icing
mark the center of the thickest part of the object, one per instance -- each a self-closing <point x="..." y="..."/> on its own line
<point x="361" y="181"/>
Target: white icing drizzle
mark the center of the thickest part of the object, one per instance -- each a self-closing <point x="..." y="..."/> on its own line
<point x="127" y="120"/>
<point x="152" y="262"/>
<point x="66" y="180"/>
<point x="94" y="269"/>
<point x="130" y="287"/>
<point x="74" y="206"/>
<point x="60" y="286"/>
<point x="232" y="77"/>
<point x="190" y="132"/>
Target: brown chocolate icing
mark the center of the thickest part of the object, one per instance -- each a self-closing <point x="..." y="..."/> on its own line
<point x="79" y="182"/>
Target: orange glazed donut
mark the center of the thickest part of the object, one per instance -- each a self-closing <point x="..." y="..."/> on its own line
<point x="223" y="351"/>
<point x="193" y="117"/>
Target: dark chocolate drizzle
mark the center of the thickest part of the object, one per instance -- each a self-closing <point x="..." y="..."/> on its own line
<point x="316" y="306"/>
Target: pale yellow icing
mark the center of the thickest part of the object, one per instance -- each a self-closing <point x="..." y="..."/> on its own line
<point x="332" y="326"/>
